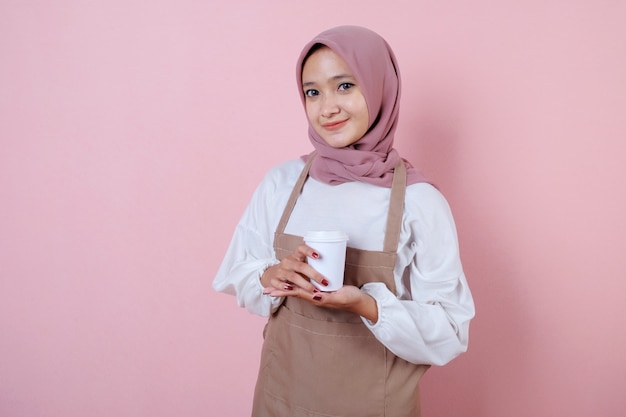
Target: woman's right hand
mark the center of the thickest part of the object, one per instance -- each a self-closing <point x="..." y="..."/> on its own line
<point x="292" y="276"/>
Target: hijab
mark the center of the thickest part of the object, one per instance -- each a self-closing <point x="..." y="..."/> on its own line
<point x="372" y="158"/>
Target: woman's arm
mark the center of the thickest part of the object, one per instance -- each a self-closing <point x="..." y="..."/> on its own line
<point x="429" y="322"/>
<point x="251" y="251"/>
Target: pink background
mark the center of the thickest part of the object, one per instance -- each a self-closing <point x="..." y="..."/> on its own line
<point x="133" y="132"/>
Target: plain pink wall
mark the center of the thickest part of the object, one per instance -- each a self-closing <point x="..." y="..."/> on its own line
<point x="133" y="132"/>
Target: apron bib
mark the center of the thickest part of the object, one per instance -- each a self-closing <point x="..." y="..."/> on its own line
<point x="323" y="362"/>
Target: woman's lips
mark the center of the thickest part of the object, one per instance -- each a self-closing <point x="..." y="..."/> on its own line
<point x="334" y="125"/>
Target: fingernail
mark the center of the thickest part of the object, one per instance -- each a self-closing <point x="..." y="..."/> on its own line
<point x="317" y="297"/>
<point x="266" y="291"/>
<point x="325" y="282"/>
<point x="315" y="255"/>
<point x="315" y="290"/>
<point x="287" y="287"/>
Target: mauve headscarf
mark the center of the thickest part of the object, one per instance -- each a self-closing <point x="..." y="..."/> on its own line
<point x="372" y="158"/>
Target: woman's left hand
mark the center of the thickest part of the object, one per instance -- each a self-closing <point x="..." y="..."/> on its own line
<point x="348" y="297"/>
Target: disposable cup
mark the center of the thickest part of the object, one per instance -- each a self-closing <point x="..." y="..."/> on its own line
<point x="331" y="246"/>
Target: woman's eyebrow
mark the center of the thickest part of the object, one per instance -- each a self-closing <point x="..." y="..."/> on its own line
<point x="341" y="76"/>
<point x="333" y="78"/>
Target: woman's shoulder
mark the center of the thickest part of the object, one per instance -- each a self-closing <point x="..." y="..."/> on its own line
<point x="286" y="169"/>
<point x="285" y="172"/>
<point x="424" y="189"/>
<point x="426" y="196"/>
<point x="282" y="175"/>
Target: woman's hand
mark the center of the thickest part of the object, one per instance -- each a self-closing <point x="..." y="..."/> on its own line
<point x="292" y="278"/>
<point x="293" y="274"/>
<point x="349" y="298"/>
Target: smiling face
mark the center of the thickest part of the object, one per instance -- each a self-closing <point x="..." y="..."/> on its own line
<point x="335" y="104"/>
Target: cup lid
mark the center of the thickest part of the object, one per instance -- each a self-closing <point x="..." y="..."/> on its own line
<point x="325" y="236"/>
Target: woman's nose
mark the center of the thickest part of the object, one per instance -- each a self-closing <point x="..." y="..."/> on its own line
<point x="330" y="106"/>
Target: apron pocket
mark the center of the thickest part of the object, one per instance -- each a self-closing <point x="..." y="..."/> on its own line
<point x="324" y="368"/>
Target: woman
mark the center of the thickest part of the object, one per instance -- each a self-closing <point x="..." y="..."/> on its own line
<point x="361" y="350"/>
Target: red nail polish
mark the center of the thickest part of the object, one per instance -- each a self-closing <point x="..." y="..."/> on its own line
<point x="325" y="282"/>
<point x="287" y="287"/>
<point x="317" y="297"/>
<point x="315" y="255"/>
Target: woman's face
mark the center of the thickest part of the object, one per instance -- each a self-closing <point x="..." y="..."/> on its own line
<point x="335" y="104"/>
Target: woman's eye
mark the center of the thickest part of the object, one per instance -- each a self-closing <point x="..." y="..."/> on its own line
<point x="311" y="93"/>
<point x="345" y="86"/>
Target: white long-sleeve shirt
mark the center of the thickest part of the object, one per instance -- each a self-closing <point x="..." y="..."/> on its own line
<point x="427" y="321"/>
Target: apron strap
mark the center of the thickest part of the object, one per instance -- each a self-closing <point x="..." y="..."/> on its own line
<point x="297" y="189"/>
<point x="396" y="208"/>
<point x="396" y="204"/>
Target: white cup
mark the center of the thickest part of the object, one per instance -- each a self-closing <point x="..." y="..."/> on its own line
<point x="331" y="246"/>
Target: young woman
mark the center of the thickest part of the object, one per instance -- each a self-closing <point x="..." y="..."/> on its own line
<point x="360" y="350"/>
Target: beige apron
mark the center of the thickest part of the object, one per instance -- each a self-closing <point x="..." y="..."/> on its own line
<point x="324" y="362"/>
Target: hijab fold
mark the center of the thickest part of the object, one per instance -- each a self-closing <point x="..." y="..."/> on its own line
<point x="372" y="158"/>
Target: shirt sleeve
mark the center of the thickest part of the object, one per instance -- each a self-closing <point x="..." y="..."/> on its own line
<point x="430" y="323"/>
<point x="251" y="250"/>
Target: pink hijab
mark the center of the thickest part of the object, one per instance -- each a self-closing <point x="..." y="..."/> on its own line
<point x="372" y="158"/>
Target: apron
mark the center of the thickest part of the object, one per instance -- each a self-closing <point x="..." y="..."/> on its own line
<point x="323" y="362"/>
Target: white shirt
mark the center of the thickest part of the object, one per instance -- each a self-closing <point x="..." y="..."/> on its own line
<point x="427" y="321"/>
